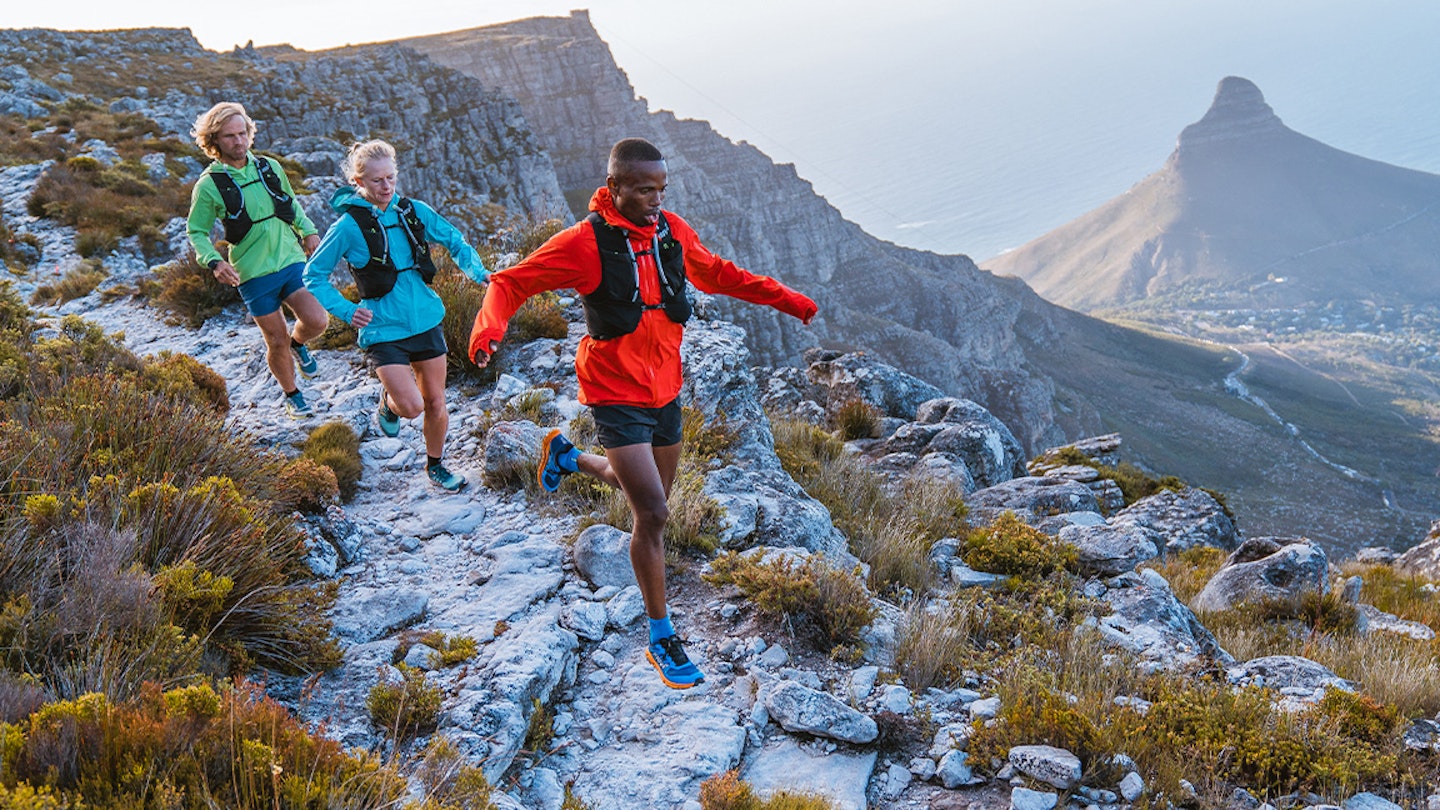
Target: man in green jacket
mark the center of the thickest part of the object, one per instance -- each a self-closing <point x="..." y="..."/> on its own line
<point x="270" y="236"/>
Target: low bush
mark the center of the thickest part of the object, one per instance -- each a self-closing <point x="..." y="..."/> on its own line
<point x="449" y="782"/>
<point x="229" y="747"/>
<point x="822" y="605"/>
<point x="78" y="283"/>
<point x="306" y="485"/>
<point x="540" y="732"/>
<point x="449" y="650"/>
<point x="182" y="377"/>
<point x="188" y="292"/>
<point x="335" y="445"/>
<point x="105" y="204"/>
<point x="405" y="709"/>
<point x="727" y="791"/>
<point x="1010" y="546"/>
<point x="462" y="297"/>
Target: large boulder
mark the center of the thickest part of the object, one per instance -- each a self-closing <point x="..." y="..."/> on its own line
<point x="1286" y="672"/>
<point x="1423" y="559"/>
<point x="860" y="376"/>
<point x="799" y="708"/>
<point x="1185" y="519"/>
<point x="1031" y="499"/>
<point x="511" y="449"/>
<point x="1266" y="568"/>
<point x="1106" y="550"/>
<point x="1151" y="623"/>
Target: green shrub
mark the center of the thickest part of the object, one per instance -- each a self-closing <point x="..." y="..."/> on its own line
<point x="182" y="377"/>
<point x="78" y="283"/>
<point x="405" y="709"/>
<point x="1010" y="546"/>
<point x="232" y="747"/>
<point x="449" y="650"/>
<point x="540" y="732"/>
<point x="335" y="445"/>
<point x="449" y="782"/>
<point x="824" y="606"/>
<point x="539" y="317"/>
<point x="106" y="204"/>
<point x="462" y="297"/>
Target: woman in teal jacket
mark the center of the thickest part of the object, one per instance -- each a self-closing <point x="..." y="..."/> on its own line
<point x="384" y="238"/>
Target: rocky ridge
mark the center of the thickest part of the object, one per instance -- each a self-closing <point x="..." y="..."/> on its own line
<point x="494" y="565"/>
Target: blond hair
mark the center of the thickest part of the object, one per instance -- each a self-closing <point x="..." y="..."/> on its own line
<point x="361" y="154"/>
<point x="208" y="125"/>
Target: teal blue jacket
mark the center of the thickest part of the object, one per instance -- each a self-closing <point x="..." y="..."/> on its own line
<point x="411" y="307"/>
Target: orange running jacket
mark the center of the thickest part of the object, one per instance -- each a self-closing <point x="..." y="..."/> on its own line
<point x="642" y="368"/>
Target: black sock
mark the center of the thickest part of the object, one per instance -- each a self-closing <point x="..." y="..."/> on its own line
<point x="295" y="344"/>
<point x="432" y="461"/>
<point x="292" y="393"/>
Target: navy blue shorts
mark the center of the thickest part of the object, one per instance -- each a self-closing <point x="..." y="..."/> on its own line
<point x="623" y="425"/>
<point x="424" y="346"/>
<point x="263" y="294"/>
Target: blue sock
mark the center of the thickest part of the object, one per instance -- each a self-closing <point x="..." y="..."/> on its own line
<point x="661" y="628"/>
<point x="569" y="460"/>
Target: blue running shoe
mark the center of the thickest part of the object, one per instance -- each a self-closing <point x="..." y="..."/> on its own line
<point x="297" y="407"/>
<point x="668" y="657"/>
<point x="446" y="480"/>
<point x="557" y="460"/>
<point x="388" y="419"/>
<point x="305" y="360"/>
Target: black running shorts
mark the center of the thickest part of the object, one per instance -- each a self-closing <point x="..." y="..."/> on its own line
<point x="623" y="425"/>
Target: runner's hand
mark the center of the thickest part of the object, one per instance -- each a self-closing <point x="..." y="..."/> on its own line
<point x="482" y="356"/>
<point x="309" y="243"/>
<point x="225" y="274"/>
<point x="361" y="317"/>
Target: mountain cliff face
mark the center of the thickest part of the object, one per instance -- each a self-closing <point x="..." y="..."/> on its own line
<point x="1256" y="213"/>
<point x="939" y="317"/>
<point x="459" y="142"/>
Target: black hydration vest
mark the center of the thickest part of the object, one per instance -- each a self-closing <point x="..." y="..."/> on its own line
<point x="237" y="220"/>
<point x="377" y="276"/>
<point x="615" y="307"/>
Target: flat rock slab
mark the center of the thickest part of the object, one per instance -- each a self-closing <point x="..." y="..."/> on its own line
<point x="787" y="764"/>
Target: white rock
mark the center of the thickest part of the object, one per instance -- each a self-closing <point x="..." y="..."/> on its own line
<point x="774" y="657"/>
<point x="799" y="708"/>
<point x="952" y="770"/>
<point x="895" y="699"/>
<point x="985" y="708"/>
<point x="862" y="682"/>
<point x="923" y="768"/>
<point x="1054" y="766"/>
<point x="1132" y="786"/>
<point x="1027" y="799"/>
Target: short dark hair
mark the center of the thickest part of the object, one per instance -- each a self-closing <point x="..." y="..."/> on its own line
<point x="629" y="151"/>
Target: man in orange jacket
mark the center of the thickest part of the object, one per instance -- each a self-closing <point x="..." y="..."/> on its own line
<point x="629" y="261"/>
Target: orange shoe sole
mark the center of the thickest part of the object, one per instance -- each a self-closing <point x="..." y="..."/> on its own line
<point x="665" y="680"/>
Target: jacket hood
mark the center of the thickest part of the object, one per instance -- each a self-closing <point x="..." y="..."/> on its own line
<point x="602" y="203"/>
<point x="347" y="197"/>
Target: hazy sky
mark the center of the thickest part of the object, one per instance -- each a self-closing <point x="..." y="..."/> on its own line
<point x="956" y="125"/>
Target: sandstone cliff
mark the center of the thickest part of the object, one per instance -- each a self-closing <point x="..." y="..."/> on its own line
<point x="936" y="316"/>
<point x="1258" y="214"/>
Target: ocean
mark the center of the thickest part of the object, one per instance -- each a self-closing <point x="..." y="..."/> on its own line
<point x="972" y="128"/>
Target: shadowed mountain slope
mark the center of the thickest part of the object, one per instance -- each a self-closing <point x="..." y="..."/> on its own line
<point x="1256" y="213"/>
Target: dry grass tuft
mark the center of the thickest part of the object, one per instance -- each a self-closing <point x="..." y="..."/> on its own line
<point x="78" y="283"/>
<point x="890" y="532"/>
<point x="824" y="606"/>
<point x="726" y="791"/>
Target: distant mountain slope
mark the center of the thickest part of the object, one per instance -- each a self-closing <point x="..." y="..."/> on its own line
<point x="1259" y="214"/>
